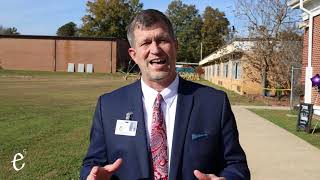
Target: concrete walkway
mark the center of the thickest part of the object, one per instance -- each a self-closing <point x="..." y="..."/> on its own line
<point x="266" y="107"/>
<point x="272" y="152"/>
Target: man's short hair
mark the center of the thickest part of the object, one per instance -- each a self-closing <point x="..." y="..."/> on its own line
<point x="147" y="18"/>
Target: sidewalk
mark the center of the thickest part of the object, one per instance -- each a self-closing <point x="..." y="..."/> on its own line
<point x="266" y="107"/>
<point x="272" y="152"/>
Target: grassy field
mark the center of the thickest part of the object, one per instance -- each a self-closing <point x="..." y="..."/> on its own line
<point x="288" y="121"/>
<point x="49" y="116"/>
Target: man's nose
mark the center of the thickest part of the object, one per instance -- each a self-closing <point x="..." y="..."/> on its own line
<point x="155" y="48"/>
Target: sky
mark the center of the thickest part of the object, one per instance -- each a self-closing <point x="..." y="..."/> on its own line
<point x="44" y="17"/>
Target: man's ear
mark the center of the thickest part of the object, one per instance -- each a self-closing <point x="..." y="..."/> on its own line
<point x="132" y="53"/>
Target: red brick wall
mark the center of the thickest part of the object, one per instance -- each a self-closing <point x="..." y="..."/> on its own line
<point x="315" y="55"/>
<point x="113" y="56"/>
<point x="97" y="53"/>
<point x="55" y="54"/>
<point x="27" y="54"/>
<point x="316" y="45"/>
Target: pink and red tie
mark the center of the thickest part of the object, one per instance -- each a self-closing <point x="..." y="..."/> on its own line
<point x="158" y="142"/>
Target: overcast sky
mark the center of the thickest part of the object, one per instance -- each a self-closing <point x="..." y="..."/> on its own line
<point x="44" y="17"/>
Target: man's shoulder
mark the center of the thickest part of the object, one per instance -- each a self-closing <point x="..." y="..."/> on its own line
<point x="122" y="92"/>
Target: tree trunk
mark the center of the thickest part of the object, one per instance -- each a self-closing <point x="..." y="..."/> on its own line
<point x="264" y="81"/>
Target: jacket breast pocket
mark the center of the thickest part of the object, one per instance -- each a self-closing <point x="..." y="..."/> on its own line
<point x="203" y="150"/>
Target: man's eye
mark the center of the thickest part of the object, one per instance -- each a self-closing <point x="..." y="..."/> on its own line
<point x="145" y="43"/>
<point x="163" y="41"/>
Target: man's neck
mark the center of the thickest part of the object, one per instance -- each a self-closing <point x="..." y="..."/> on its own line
<point x="159" y="85"/>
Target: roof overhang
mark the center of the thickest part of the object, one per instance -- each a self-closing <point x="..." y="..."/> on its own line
<point x="296" y="3"/>
<point x="236" y="46"/>
<point x="313" y="6"/>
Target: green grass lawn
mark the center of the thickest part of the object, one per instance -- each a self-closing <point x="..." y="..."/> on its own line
<point x="280" y="118"/>
<point x="49" y="115"/>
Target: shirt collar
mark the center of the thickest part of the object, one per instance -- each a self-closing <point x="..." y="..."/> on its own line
<point x="168" y="94"/>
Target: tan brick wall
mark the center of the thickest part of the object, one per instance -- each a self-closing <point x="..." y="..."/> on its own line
<point x="250" y="86"/>
<point x="27" y="54"/>
<point x="55" y="54"/>
<point x="241" y="86"/>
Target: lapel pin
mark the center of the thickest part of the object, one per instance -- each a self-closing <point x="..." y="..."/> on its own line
<point x="129" y="115"/>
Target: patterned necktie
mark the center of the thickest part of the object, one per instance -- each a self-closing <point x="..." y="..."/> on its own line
<point x="158" y="142"/>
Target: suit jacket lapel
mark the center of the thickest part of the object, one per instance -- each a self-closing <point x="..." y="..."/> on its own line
<point x="184" y="107"/>
<point x="141" y="144"/>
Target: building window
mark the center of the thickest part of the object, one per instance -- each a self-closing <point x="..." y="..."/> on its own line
<point x="225" y="70"/>
<point x="218" y="69"/>
<point x="236" y="70"/>
<point x="205" y="72"/>
<point x="212" y="70"/>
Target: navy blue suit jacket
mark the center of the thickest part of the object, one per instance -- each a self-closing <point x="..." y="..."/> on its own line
<point x="205" y="135"/>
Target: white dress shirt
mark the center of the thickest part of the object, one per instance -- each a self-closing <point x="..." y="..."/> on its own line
<point x="168" y="106"/>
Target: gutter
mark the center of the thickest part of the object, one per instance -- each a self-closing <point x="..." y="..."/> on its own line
<point x="308" y="85"/>
<point x="310" y="36"/>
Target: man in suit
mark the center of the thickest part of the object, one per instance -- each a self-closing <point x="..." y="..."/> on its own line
<point x="162" y="126"/>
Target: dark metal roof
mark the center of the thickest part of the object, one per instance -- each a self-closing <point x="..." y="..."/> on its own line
<point x="60" y="38"/>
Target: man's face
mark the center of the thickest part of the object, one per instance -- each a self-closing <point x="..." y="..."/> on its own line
<point x="155" y="51"/>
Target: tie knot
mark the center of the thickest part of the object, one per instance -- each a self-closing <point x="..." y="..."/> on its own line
<point x="157" y="102"/>
<point x="159" y="98"/>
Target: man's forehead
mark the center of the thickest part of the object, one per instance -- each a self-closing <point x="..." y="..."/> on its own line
<point x="142" y="31"/>
<point x="142" y="27"/>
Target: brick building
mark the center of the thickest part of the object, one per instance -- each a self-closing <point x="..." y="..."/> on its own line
<point x="311" y="47"/>
<point x="226" y="67"/>
<point x="52" y="53"/>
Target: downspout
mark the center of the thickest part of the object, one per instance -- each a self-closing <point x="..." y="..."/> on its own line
<point x="308" y="84"/>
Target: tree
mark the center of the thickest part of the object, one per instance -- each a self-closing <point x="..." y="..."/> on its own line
<point x="187" y="24"/>
<point x="8" y="31"/>
<point x="268" y="21"/>
<point x="134" y="7"/>
<point x="69" y="29"/>
<point x="214" y="30"/>
<point x="108" y="18"/>
<point x="288" y="53"/>
<point x="191" y="29"/>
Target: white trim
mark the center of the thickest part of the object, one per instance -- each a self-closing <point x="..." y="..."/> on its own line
<point x="305" y="16"/>
<point x="296" y="3"/>
<point x="308" y="85"/>
<point x="233" y="47"/>
<point x="316" y="12"/>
